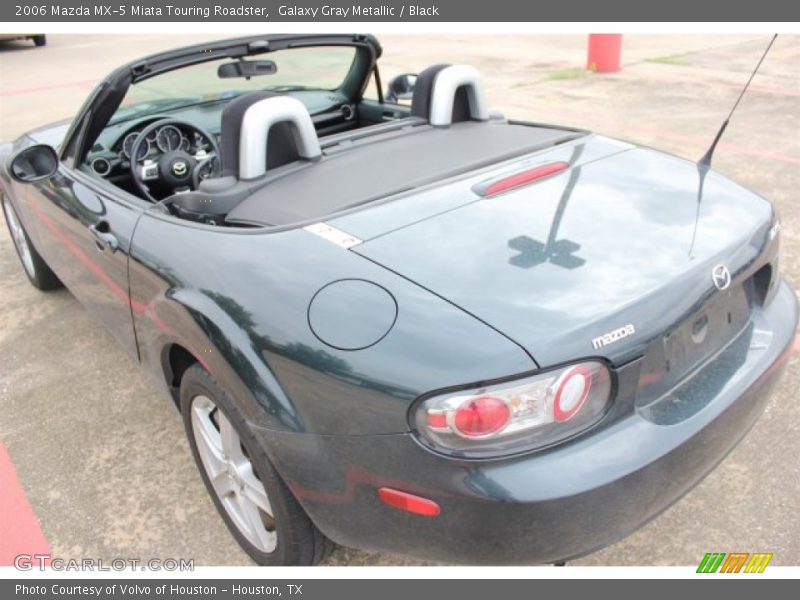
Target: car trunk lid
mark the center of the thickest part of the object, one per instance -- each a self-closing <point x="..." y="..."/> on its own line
<point x="612" y="257"/>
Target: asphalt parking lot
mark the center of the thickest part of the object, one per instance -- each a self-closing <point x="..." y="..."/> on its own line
<point x="99" y="448"/>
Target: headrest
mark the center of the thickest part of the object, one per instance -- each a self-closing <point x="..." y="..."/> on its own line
<point x="262" y="130"/>
<point x="446" y="94"/>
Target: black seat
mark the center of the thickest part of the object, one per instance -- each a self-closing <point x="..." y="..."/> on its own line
<point x="279" y="132"/>
<point x="423" y="90"/>
<point x="425" y="96"/>
<point x="281" y="146"/>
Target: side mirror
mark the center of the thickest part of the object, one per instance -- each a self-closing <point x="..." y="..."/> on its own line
<point x="401" y="87"/>
<point x="34" y="163"/>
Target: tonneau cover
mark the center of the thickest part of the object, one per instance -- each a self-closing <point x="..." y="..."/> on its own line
<point x="375" y="168"/>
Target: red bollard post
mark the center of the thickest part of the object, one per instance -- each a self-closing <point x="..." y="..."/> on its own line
<point x="605" y="51"/>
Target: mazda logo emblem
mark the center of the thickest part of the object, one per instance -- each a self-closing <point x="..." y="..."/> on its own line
<point x="179" y="168"/>
<point x="721" y="277"/>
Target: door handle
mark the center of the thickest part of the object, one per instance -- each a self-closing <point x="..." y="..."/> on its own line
<point x="103" y="238"/>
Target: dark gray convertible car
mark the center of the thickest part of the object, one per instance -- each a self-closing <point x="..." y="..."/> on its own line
<point x="425" y="329"/>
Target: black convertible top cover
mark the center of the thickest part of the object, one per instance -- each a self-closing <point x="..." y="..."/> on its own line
<point x="373" y="169"/>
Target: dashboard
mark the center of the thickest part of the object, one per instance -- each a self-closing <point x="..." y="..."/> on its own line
<point x="116" y="158"/>
<point x="110" y="156"/>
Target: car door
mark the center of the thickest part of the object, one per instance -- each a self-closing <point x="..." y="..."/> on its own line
<point x="84" y="233"/>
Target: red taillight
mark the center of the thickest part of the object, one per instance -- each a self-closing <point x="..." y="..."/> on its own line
<point x="572" y="389"/>
<point x="481" y="416"/>
<point x="522" y="178"/>
<point x="529" y="412"/>
<point x="408" y="502"/>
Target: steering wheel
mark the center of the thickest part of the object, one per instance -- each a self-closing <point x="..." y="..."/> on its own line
<point x="175" y="169"/>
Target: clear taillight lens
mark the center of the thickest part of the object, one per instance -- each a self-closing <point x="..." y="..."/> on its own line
<point x="516" y="416"/>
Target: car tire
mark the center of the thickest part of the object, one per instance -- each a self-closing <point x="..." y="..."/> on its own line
<point x="39" y="40"/>
<point x="39" y="274"/>
<point x="232" y="473"/>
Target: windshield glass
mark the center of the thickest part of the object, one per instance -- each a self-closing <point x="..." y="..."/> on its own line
<point x="313" y="68"/>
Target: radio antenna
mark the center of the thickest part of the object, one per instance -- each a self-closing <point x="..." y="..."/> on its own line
<point x="706" y="160"/>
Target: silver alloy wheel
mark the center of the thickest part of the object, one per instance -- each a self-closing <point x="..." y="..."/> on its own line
<point x="20" y="241"/>
<point x="231" y="473"/>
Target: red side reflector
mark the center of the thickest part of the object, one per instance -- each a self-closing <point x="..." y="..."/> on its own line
<point x="523" y="178"/>
<point x="408" y="502"/>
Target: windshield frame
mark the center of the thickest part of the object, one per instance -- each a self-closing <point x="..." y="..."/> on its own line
<point x="104" y="100"/>
<point x="156" y="100"/>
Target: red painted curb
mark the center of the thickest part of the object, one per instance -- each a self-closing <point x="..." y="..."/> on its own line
<point x="20" y="532"/>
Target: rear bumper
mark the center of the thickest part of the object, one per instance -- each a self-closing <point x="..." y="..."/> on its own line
<point x="540" y="508"/>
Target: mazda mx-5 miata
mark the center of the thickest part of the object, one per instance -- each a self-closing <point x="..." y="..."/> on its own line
<point x="419" y="328"/>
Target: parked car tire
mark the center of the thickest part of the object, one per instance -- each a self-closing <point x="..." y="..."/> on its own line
<point x="39" y="40"/>
<point x="39" y="274"/>
<point x="258" y="508"/>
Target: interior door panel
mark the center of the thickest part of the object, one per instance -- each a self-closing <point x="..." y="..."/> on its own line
<point x="371" y="112"/>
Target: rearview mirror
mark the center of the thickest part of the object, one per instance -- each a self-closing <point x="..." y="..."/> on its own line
<point x="401" y="87"/>
<point x="246" y="69"/>
<point x="34" y="163"/>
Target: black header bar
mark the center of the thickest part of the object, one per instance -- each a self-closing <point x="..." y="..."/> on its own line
<point x="369" y="11"/>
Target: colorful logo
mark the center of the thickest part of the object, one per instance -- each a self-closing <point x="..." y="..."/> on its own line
<point x="735" y="562"/>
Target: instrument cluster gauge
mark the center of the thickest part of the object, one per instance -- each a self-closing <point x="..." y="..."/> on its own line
<point x="169" y="138"/>
<point x="127" y="146"/>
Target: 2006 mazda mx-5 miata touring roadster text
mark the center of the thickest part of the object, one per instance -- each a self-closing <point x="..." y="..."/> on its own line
<point x="425" y="329"/>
